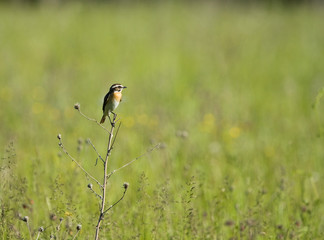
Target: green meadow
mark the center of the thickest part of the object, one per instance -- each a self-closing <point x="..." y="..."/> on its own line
<point x="233" y="95"/>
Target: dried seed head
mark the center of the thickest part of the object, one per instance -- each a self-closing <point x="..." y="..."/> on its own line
<point x="25" y="219"/>
<point x="53" y="217"/>
<point x="59" y="136"/>
<point x="79" y="226"/>
<point x="40" y="229"/>
<point x="77" y="106"/>
<point x="125" y="185"/>
<point x="90" y="185"/>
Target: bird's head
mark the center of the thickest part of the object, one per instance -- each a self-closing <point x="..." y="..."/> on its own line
<point x="117" y="87"/>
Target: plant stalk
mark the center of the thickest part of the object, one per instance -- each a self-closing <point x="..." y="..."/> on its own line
<point x="104" y="185"/>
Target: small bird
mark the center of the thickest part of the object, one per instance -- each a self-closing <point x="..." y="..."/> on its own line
<point x="111" y="101"/>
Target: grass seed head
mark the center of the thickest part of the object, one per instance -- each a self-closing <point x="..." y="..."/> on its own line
<point x="79" y="227"/>
<point x="77" y="106"/>
<point x="53" y="217"/>
<point x="125" y="185"/>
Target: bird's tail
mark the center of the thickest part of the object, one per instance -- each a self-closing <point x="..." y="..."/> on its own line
<point x="103" y="119"/>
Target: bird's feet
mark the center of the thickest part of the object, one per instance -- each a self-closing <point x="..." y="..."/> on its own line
<point x="115" y="115"/>
<point x="114" y="119"/>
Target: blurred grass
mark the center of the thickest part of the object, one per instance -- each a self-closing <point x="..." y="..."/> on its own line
<point x="240" y="81"/>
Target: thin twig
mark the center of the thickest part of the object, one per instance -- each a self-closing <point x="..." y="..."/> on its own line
<point x="58" y="227"/>
<point x="94" y="148"/>
<point x="91" y="119"/>
<point x="38" y="235"/>
<point x="113" y="142"/>
<point x="66" y="152"/>
<point x="111" y="206"/>
<point x="91" y="189"/>
<point x="148" y="151"/>
<point x="30" y="235"/>
<point x="76" y="235"/>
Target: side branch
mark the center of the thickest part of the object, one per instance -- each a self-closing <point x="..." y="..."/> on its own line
<point x="94" y="148"/>
<point x="78" y="164"/>
<point x="94" y="192"/>
<point x="113" y="141"/>
<point x="77" y="107"/>
<point x="111" y="206"/>
<point x="129" y="163"/>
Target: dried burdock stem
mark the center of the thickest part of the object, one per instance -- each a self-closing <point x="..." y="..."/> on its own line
<point x="78" y="164"/>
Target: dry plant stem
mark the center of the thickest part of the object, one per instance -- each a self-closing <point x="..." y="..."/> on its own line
<point x="103" y="200"/>
<point x="99" y="196"/>
<point x="115" y="202"/>
<point x="94" y="148"/>
<point x="38" y="235"/>
<point x="78" y="164"/>
<point x="30" y="235"/>
<point x="75" y="235"/>
<point x="58" y="227"/>
<point x="93" y="120"/>
<point x="148" y="151"/>
<point x="112" y="145"/>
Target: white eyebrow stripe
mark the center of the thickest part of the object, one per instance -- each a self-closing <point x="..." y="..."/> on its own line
<point x="117" y="86"/>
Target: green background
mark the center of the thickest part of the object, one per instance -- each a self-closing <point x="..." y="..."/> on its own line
<point x="232" y="93"/>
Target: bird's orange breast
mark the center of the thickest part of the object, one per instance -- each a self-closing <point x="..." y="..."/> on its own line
<point x="117" y="96"/>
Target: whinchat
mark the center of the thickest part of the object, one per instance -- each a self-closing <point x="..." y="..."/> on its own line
<point x="111" y="101"/>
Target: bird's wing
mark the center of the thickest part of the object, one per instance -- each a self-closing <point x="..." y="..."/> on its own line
<point x="105" y="101"/>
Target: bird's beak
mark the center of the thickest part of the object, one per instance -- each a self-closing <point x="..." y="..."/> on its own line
<point x="124" y="87"/>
